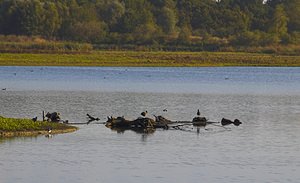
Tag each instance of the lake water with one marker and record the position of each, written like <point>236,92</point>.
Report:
<point>265,148</point>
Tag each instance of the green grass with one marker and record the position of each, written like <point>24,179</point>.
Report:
<point>16,125</point>
<point>148,59</point>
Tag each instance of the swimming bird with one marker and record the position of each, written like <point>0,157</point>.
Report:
<point>144,113</point>
<point>3,89</point>
<point>34,119</point>
<point>165,110</point>
<point>198,112</point>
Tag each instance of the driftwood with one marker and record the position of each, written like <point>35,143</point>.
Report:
<point>145,124</point>
<point>91,119</point>
<point>138,123</point>
<point>120,123</point>
<point>53,117</point>
<point>225,122</point>
<point>199,121</point>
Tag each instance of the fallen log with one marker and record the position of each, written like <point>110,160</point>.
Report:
<point>225,122</point>
<point>145,124</point>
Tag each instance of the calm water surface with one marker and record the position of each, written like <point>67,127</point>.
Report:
<point>264,149</point>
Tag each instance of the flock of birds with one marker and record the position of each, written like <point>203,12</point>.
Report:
<point>144,113</point>
<point>91,118</point>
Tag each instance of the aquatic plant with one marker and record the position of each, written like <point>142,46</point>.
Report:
<point>13,124</point>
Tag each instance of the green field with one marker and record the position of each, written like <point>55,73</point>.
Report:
<point>148,59</point>
<point>11,125</point>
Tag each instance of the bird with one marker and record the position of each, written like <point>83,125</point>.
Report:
<point>34,119</point>
<point>198,112</point>
<point>3,89</point>
<point>92,118</point>
<point>165,110</point>
<point>49,130</point>
<point>144,113</point>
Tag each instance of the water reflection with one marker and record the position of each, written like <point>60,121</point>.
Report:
<point>136,130</point>
<point>144,133</point>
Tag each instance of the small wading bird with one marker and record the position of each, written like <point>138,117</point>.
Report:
<point>144,113</point>
<point>198,112</point>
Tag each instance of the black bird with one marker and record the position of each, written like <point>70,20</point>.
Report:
<point>92,118</point>
<point>144,113</point>
<point>34,119</point>
<point>3,89</point>
<point>165,110</point>
<point>198,112</point>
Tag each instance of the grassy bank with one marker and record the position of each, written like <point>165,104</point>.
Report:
<point>136,58</point>
<point>26,127</point>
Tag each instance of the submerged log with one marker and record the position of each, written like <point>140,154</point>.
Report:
<point>144,124</point>
<point>117,122</point>
<point>199,121</point>
<point>225,122</point>
<point>161,122</point>
<point>121,122</point>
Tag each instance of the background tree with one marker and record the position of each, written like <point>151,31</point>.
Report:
<point>52,21</point>
<point>110,11</point>
<point>167,20</point>
<point>279,22</point>
<point>292,8</point>
<point>152,21</point>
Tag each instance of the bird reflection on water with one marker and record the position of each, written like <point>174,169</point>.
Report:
<point>143,132</point>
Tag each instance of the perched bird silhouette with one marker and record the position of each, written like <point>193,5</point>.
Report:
<point>34,119</point>
<point>144,113</point>
<point>198,112</point>
<point>91,118</point>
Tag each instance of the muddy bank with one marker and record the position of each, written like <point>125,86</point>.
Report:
<point>36,132</point>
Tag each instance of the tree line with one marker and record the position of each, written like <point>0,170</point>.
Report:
<point>155,22</point>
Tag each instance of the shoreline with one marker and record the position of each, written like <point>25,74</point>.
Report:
<point>150,59</point>
<point>7,134</point>
<point>13,127</point>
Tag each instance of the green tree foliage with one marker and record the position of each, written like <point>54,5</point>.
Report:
<point>92,31</point>
<point>52,21</point>
<point>184,35</point>
<point>279,21</point>
<point>110,11</point>
<point>167,20</point>
<point>292,8</point>
<point>257,22</point>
